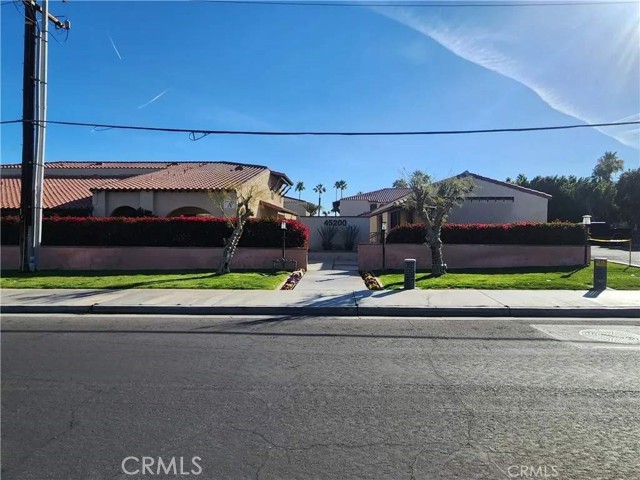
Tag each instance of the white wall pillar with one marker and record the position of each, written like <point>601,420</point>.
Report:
<point>99,202</point>
<point>146,200</point>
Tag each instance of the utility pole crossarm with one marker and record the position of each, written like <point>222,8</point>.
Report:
<point>52,18</point>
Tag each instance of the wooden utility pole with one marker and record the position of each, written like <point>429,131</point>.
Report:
<point>34,99</point>
<point>28,140</point>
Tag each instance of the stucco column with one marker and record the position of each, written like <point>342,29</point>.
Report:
<point>99,202</point>
<point>146,200</point>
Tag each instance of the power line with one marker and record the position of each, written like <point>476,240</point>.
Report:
<point>203,132</point>
<point>421,4</point>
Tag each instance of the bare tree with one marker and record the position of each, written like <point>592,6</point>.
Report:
<point>243,197</point>
<point>432,203</point>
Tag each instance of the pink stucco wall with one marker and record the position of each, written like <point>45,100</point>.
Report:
<point>471,256</point>
<point>150,258</point>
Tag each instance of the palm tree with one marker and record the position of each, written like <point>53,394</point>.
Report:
<point>342,187</point>
<point>339,185</point>
<point>319,189</point>
<point>608,165</point>
<point>299,188</point>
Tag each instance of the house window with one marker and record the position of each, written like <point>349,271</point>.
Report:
<point>373,206</point>
<point>394,219</point>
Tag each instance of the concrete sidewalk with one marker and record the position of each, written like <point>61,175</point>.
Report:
<point>398,303</point>
<point>331,287</point>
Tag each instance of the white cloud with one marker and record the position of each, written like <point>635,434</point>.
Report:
<point>153,99</point>
<point>115,48</point>
<point>581,61</point>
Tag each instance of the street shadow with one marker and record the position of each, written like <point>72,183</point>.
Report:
<point>592,293</point>
<point>73,295</point>
<point>470,338</point>
<point>266,321</point>
<point>377,293</point>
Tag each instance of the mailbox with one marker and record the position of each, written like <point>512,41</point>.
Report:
<point>409,273</point>
<point>600,274</point>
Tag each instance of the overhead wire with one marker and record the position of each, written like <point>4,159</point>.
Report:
<point>197,133</point>
<point>419,4</point>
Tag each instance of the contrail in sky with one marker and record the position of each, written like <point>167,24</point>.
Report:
<point>115,48</point>
<point>153,99</point>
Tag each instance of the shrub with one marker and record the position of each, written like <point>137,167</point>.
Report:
<point>327,234</point>
<point>519,233</point>
<point>349,235</point>
<point>157,232</point>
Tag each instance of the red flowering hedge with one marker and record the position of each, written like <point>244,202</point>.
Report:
<point>519,233</point>
<point>157,232</point>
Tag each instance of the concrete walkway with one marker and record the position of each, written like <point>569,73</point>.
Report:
<point>335,273</point>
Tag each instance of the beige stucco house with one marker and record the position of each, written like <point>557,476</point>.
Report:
<point>162,189</point>
<point>491,201</point>
<point>296,205</point>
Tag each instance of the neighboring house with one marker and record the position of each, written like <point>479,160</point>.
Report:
<point>162,188</point>
<point>491,201</point>
<point>296,205</point>
<point>363,204</point>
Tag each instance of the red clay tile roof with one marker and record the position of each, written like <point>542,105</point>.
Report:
<point>58,192</point>
<point>71,165</point>
<point>189,176</point>
<point>384,195</point>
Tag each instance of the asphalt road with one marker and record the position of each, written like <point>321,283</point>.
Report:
<point>317,398</point>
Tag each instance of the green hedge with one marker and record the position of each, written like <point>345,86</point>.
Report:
<point>156,232</point>
<point>519,233</point>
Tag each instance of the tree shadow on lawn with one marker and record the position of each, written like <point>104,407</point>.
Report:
<point>195,275</point>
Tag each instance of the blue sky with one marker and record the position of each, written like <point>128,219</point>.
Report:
<point>256,67</point>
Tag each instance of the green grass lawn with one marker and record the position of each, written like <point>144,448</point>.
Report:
<point>255,280</point>
<point>619,277</point>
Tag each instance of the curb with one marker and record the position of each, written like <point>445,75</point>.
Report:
<point>339,311</point>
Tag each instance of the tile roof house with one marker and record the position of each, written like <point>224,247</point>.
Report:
<point>297,205</point>
<point>161,188</point>
<point>70,195</point>
<point>491,201</point>
<point>362,204</point>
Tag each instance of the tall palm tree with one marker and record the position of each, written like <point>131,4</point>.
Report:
<point>608,165</point>
<point>339,185</point>
<point>319,189</point>
<point>342,187</point>
<point>299,188</point>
